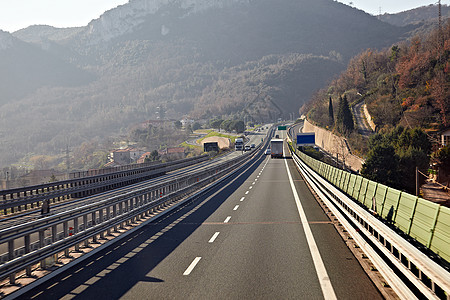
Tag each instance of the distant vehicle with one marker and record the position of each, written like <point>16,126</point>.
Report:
<point>252,146</point>
<point>239,144</point>
<point>267,152</point>
<point>247,148</point>
<point>276,146</point>
<point>277,136</point>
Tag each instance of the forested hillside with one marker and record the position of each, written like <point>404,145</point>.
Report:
<point>406,89</point>
<point>195,59</point>
<point>407,84</point>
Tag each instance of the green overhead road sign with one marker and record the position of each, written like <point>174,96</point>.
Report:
<point>281,127</point>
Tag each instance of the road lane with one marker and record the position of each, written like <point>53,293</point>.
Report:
<point>261,251</point>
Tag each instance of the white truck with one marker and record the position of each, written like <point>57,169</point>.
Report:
<point>239,144</point>
<point>276,148</point>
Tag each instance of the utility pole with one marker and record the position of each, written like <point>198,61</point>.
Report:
<point>417,181</point>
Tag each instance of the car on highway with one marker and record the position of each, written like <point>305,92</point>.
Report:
<point>247,148</point>
<point>267,152</point>
<point>252,146</point>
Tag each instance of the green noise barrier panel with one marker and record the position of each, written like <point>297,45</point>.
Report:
<point>357,187</point>
<point>351,184</point>
<point>370,194</point>
<point>391,204</point>
<point>380,198</point>
<point>363,190</point>
<point>439,240</point>
<point>425,221</point>
<point>405,212</point>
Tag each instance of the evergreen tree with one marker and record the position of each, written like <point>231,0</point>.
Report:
<point>344,121</point>
<point>330,112</point>
<point>238,126</point>
<point>340,115</point>
<point>394,155</point>
<point>381,165</point>
<point>178,124</point>
<point>347,120</point>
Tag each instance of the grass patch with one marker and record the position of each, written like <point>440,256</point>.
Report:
<point>215,133</point>
<point>203,131</point>
<point>193,147</point>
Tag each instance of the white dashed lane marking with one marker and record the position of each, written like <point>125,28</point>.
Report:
<point>213,238</point>
<point>192,266</point>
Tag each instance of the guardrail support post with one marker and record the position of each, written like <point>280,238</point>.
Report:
<point>12,277</point>
<point>94,222</point>
<point>108,216</point>
<point>42,244</point>
<point>75,231</point>
<point>66,234</point>
<point>126,210</point>
<point>27,242</point>
<point>85,225</point>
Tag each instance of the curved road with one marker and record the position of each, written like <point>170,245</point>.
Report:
<point>249,239</point>
<point>363,128</point>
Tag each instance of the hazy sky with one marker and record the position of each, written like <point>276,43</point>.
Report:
<point>18,14</point>
<point>390,6</point>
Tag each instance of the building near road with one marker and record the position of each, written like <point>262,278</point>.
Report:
<point>445,137</point>
<point>126,156</point>
<point>173,153</point>
<point>141,159</point>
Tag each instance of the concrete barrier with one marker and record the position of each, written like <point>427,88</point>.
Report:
<point>335,145</point>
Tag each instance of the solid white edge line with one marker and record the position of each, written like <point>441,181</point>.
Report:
<point>396,284</point>
<point>192,266</point>
<point>324,280</point>
<point>213,238</point>
<point>227,219</point>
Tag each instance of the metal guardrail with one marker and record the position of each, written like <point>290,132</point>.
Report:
<point>370,204</point>
<point>100,218</point>
<point>28,197</point>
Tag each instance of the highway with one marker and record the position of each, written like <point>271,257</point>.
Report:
<point>250,238</point>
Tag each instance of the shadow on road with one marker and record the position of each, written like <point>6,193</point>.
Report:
<point>112,272</point>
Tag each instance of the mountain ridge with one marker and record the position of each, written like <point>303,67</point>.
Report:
<point>217,59</point>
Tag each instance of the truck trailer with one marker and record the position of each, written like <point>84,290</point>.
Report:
<point>276,148</point>
<point>239,144</point>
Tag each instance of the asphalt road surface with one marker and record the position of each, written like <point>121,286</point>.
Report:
<point>363,128</point>
<point>249,239</point>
